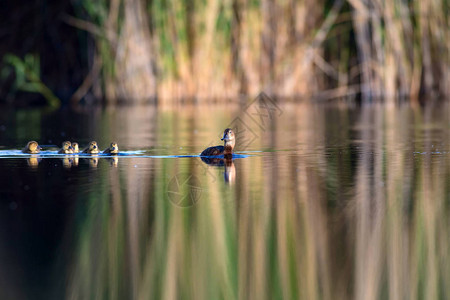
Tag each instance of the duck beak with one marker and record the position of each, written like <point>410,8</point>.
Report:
<point>225,138</point>
<point>70,148</point>
<point>39,148</point>
<point>95,147</point>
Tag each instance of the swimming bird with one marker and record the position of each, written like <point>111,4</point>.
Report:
<point>227,148</point>
<point>75,148</point>
<point>32,148</point>
<point>66,148</point>
<point>92,148</point>
<point>113,149</point>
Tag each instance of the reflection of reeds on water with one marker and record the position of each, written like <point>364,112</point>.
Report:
<point>349,212</point>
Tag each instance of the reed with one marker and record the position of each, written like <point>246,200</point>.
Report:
<point>322,50</point>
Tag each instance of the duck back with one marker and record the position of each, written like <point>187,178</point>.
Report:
<point>213,151</point>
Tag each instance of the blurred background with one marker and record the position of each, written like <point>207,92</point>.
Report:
<point>345,199</point>
<point>177,50</point>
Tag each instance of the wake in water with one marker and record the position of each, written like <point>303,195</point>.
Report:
<point>136,153</point>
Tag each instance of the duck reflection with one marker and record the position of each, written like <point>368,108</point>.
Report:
<point>113,161</point>
<point>230,171</point>
<point>93,162</point>
<point>75,161</point>
<point>33,161</point>
<point>67,162</point>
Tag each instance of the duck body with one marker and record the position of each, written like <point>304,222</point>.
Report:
<point>66,148</point>
<point>113,149</point>
<point>217,150</point>
<point>92,148</point>
<point>226,149</point>
<point>213,151</point>
<point>32,147</point>
<point>75,148</point>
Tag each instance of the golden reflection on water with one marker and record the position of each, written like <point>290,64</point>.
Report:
<point>343,202</point>
<point>356,206</point>
<point>33,162</point>
<point>93,162</point>
<point>67,162</point>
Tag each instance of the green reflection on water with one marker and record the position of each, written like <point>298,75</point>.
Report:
<point>355,206</point>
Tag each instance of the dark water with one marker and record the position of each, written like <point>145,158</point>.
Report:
<point>326,202</point>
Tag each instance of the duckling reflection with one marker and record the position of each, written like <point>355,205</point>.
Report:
<point>227,162</point>
<point>75,161</point>
<point>32,147</point>
<point>67,162</point>
<point>33,161</point>
<point>113,161</point>
<point>93,162</point>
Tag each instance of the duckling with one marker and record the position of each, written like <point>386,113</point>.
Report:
<point>66,148</point>
<point>75,148</point>
<point>92,148</point>
<point>113,149</point>
<point>226,149</point>
<point>32,148</point>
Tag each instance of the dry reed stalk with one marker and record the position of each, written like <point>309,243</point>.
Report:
<point>134,61</point>
<point>282,48</point>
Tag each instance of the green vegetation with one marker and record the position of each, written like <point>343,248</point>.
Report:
<point>27,77</point>
<point>203,49</point>
<point>324,50</point>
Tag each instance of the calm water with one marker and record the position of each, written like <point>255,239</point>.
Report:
<point>326,202</point>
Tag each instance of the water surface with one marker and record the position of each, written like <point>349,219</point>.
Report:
<point>325,202</point>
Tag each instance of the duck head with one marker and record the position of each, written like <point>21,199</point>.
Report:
<point>114,148</point>
<point>33,147</point>
<point>93,148</point>
<point>228,140</point>
<point>67,147</point>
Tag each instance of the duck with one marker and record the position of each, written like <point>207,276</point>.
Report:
<point>226,149</point>
<point>75,148</point>
<point>32,147</point>
<point>113,149</point>
<point>92,148</point>
<point>66,148</point>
